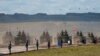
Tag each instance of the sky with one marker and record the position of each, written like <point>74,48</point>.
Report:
<point>49,6</point>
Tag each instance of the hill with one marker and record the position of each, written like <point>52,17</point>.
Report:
<point>18,17</point>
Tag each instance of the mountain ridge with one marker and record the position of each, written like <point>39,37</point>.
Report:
<point>19,17</point>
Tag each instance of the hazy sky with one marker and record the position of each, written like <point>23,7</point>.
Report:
<point>48,6</point>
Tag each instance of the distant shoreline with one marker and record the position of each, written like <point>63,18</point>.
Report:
<point>42,17</point>
<point>48,21</point>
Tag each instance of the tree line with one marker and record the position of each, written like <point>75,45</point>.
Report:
<point>63,37</point>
